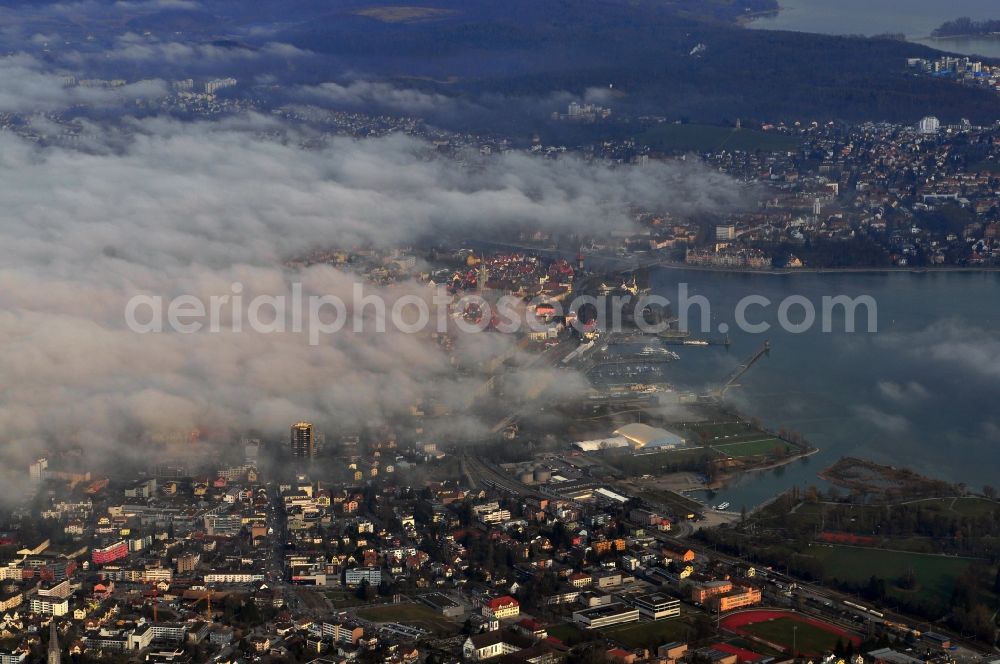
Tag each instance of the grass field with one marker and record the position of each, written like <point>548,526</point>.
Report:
<point>935,574</point>
<point>415,615</point>
<point>700,138</point>
<point>788,630</point>
<point>568,633</point>
<point>733,438</point>
<point>812,514</point>
<point>342,598</point>
<point>967,506</point>
<point>747,643</point>
<point>650,634</point>
<point>809,639</point>
<point>707,441</point>
<point>653,462</point>
<point>759,447</point>
<point>717,430</point>
<point>313,599</point>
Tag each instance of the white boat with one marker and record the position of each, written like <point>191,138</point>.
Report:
<point>652,351</point>
<point>646,388</point>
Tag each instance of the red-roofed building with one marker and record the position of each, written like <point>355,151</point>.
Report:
<point>502,608</point>
<point>531,627</point>
<point>619,656</point>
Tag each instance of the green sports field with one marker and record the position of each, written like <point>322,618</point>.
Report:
<point>717,431</point>
<point>650,634</point>
<point>935,574</point>
<point>808,639</point>
<point>759,447</point>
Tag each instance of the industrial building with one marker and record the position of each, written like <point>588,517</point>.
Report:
<point>602,444</point>
<point>635,436</point>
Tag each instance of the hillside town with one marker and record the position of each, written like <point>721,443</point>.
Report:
<point>835,195</point>
<point>235,566</point>
<point>550,487</point>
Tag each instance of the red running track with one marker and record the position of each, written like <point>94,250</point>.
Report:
<point>743,656</point>
<point>736,621</point>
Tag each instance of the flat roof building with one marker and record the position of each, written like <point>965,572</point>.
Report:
<point>655,606</point>
<point>643,435</point>
<point>605,616</point>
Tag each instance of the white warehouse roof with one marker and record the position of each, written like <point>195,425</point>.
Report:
<point>643,435</point>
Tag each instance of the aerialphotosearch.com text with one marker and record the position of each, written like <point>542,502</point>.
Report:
<point>435,310</point>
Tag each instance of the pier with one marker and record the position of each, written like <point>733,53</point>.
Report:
<point>742,369</point>
<point>669,337</point>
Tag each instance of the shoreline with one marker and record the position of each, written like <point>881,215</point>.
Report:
<point>674,265</point>
<point>624,261</point>
<point>745,20</point>
<point>771,466</point>
<point>808,451</point>
<point>717,488</point>
<point>982,35</point>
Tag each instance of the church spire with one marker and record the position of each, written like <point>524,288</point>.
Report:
<point>55,653</point>
<point>484,274</point>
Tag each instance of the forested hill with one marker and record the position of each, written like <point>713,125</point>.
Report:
<point>531,48</point>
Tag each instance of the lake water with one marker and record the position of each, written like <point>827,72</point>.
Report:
<point>923,391</point>
<point>914,18</point>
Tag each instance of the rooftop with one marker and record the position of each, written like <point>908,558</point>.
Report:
<point>643,435</point>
